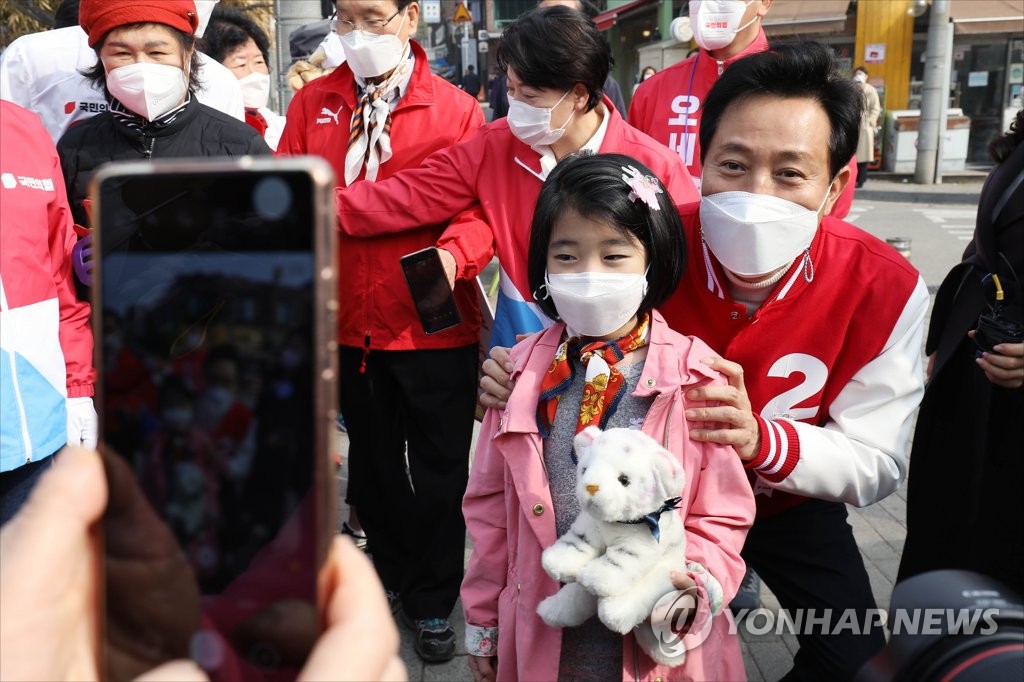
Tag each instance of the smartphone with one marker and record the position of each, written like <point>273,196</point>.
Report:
<point>428,284</point>
<point>213,311</point>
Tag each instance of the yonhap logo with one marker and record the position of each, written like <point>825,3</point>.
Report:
<point>675,624</point>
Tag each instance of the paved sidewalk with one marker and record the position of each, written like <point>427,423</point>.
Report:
<point>880,530</point>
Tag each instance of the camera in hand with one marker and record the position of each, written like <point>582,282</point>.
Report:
<point>951,625</point>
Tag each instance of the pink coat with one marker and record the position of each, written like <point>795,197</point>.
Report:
<point>510,518</point>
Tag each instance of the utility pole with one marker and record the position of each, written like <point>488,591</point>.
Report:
<point>933,94</point>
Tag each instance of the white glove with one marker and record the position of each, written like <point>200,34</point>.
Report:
<point>83,424</point>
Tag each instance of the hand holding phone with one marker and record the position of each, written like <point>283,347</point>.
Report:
<point>430,290</point>
<point>212,296</point>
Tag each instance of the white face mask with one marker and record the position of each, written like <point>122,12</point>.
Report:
<point>532,124</point>
<point>148,89</point>
<point>204,8</point>
<point>255,90</point>
<point>333,51</point>
<point>371,55</point>
<point>860,77</point>
<point>755,234</point>
<point>596,303</point>
<point>716,22</point>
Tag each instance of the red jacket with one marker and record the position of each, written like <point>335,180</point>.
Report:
<point>376,310</point>
<point>832,366</point>
<point>668,106</point>
<point>502,174</point>
<point>45,338</point>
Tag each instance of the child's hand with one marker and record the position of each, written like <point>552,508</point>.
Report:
<point>482,668</point>
<point>738,426</point>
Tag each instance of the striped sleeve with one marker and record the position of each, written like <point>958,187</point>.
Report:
<point>779,452</point>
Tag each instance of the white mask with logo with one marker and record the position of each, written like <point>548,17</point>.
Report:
<point>204,8</point>
<point>596,303</point>
<point>255,90</point>
<point>532,124</point>
<point>147,89</point>
<point>716,22</point>
<point>370,55</point>
<point>755,234</point>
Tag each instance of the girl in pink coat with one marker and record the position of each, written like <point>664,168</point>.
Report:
<point>606,247</point>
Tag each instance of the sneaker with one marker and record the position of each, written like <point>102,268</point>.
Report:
<point>358,538</point>
<point>748,597</point>
<point>435,638</point>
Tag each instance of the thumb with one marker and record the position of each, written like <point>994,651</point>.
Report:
<point>71,495</point>
<point>174,671</point>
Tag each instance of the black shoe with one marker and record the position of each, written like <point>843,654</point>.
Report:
<point>748,597</point>
<point>435,638</point>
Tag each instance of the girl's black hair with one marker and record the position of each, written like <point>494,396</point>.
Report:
<point>556,47</point>
<point>229,29</point>
<point>592,186</point>
<point>98,75</point>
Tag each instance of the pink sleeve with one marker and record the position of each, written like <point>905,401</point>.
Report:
<point>719,516</point>
<point>75,332</point>
<point>484,507</point>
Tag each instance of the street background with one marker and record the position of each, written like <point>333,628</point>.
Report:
<point>939,222</point>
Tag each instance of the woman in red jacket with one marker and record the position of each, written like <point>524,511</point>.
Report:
<point>556,63</point>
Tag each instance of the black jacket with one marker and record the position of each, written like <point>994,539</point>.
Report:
<point>197,131</point>
<point>964,507</point>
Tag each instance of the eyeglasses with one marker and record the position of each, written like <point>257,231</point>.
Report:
<point>343,27</point>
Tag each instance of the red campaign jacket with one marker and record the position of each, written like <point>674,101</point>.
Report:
<point>376,310</point>
<point>503,175</point>
<point>46,343</point>
<point>832,366</point>
<point>668,106</point>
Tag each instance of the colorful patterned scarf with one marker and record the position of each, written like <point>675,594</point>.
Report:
<point>604,383</point>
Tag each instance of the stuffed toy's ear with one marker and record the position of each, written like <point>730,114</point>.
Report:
<point>670,473</point>
<point>581,443</point>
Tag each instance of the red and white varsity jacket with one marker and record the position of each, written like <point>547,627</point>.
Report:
<point>832,363</point>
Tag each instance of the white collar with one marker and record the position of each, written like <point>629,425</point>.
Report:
<point>593,145</point>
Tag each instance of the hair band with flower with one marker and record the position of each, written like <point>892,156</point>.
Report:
<point>644,187</point>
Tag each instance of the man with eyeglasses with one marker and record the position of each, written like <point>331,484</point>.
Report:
<point>400,389</point>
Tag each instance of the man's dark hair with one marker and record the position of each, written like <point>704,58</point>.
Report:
<point>585,6</point>
<point>556,47</point>
<point>98,75</point>
<point>1004,145</point>
<point>790,71</point>
<point>66,14</point>
<point>230,29</point>
<point>592,186</point>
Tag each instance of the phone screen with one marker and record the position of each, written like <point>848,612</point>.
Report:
<point>428,284</point>
<point>212,412</point>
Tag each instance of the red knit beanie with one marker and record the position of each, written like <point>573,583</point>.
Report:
<point>99,17</point>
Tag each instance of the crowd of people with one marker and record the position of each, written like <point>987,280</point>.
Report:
<point>684,270</point>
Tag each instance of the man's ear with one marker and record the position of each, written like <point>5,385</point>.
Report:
<point>580,96</point>
<point>835,190</point>
<point>765,5</point>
